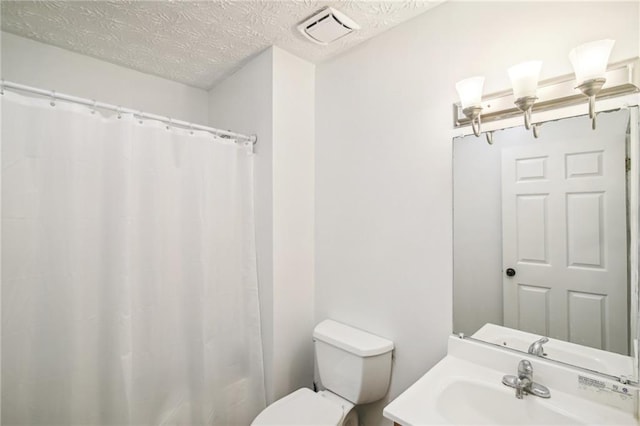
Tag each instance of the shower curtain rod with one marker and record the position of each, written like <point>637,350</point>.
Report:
<point>94,104</point>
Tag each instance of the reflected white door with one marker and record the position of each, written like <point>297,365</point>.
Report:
<point>564,233</point>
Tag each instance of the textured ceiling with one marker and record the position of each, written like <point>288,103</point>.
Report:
<point>196,43</point>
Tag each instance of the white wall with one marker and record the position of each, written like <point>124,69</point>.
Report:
<point>48,67</point>
<point>293,220</point>
<point>383,159</point>
<point>273,97</point>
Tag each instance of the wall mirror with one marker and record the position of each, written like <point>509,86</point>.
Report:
<point>546,241</point>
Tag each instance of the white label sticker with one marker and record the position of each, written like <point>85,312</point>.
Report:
<point>601,387</point>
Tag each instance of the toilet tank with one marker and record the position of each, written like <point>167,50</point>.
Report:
<point>352,363</point>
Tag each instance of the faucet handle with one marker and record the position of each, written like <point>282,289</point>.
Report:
<point>536,347</point>
<point>525,369</point>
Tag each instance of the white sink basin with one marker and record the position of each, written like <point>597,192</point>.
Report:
<point>466,388</point>
<point>468,402</point>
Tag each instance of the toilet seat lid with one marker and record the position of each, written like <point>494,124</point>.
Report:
<point>302,407</point>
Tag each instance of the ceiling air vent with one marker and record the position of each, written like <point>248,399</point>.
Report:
<point>327,25</point>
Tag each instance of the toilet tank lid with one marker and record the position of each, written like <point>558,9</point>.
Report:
<point>351,339</point>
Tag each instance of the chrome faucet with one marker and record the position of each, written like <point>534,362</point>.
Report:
<point>536,347</point>
<point>523,382</point>
<point>524,379</point>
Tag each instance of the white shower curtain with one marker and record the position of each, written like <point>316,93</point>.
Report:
<point>129,293</point>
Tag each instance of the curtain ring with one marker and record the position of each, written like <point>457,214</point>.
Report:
<point>168,127</point>
<point>191,128</point>
<point>2,86</point>
<point>93,106</point>
<point>119,111</point>
<point>52,102</point>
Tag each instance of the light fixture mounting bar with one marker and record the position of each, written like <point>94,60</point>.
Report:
<point>622,78</point>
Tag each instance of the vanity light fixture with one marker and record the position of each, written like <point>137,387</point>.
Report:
<point>589,63</point>
<point>592,75</point>
<point>524,80</point>
<point>470,93</point>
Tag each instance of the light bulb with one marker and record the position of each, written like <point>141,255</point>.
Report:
<point>470,91</point>
<point>590,60</point>
<point>524,79</point>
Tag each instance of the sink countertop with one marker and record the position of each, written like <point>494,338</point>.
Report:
<point>559,350</point>
<point>459,391</point>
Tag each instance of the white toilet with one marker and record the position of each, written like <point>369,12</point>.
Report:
<point>354,367</point>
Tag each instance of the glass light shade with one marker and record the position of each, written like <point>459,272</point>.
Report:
<point>590,60</point>
<point>470,91</point>
<point>524,78</point>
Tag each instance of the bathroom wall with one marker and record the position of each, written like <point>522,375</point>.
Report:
<point>273,97</point>
<point>48,67</point>
<point>293,220</point>
<point>383,159</point>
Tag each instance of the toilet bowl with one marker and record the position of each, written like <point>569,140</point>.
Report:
<point>306,407</point>
<point>354,367</point>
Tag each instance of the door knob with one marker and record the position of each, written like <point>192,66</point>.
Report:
<point>510,272</point>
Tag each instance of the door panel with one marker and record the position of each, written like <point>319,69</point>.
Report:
<point>531,232</point>
<point>532,301</point>
<point>587,319</point>
<point>585,230</point>
<point>564,232</point>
